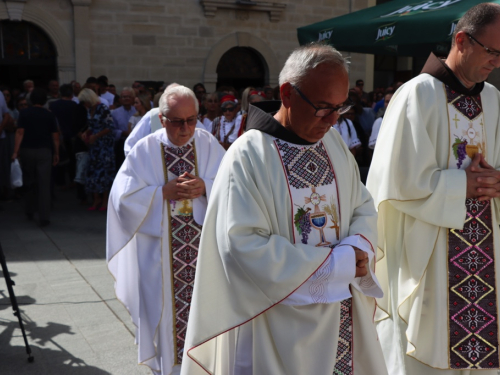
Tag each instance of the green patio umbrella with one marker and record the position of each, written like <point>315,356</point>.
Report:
<point>398,27</point>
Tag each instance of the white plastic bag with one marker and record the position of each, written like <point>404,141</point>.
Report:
<point>16,174</point>
<point>82,162</point>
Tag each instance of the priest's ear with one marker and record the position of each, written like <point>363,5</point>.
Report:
<point>460,39</point>
<point>286,94</point>
<point>162,119</point>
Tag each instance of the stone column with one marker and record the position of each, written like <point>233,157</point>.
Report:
<point>81,21</point>
<point>15,9</point>
<point>370,60</point>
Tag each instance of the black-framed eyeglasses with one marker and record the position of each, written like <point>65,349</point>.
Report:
<point>323,112</point>
<point>230,109</point>
<point>179,123</point>
<point>489,50</point>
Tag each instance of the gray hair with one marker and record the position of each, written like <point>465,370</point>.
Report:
<point>177,92</point>
<point>28,81</point>
<point>306,58</point>
<point>129,89</point>
<point>89,97</point>
<point>476,19</point>
<point>172,85</point>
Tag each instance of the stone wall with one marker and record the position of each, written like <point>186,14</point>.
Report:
<point>167,40</point>
<point>173,40</point>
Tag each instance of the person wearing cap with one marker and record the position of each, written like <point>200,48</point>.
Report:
<point>225,128</point>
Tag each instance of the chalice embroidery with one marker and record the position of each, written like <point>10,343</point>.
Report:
<point>318,218</point>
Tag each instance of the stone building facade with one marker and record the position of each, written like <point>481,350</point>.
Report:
<point>167,40</point>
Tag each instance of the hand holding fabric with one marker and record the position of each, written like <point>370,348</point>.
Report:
<point>361,262</point>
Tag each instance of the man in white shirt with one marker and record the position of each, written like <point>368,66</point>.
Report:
<point>121,117</point>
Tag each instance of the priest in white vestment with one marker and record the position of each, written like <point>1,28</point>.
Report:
<point>285,282</point>
<point>434,181</point>
<point>156,211</point>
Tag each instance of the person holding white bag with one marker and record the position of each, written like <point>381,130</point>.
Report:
<point>37,143</point>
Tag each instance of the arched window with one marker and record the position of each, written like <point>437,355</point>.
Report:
<point>241,67</point>
<point>26,52</point>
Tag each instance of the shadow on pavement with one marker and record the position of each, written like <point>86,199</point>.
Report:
<point>47,359</point>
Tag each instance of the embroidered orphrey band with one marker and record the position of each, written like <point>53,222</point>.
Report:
<point>184,242</point>
<point>343,365</point>
<point>472,295</point>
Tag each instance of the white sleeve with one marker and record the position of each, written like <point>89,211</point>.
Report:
<point>200,125</point>
<point>368,285</point>
<point>330,283</point>
<point>142,129</point>
<point>354,140</point>
<point>375,131</point>
<point>237,125</point>
<point>104,101</point>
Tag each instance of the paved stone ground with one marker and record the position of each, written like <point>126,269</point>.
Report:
<point>75,324</point>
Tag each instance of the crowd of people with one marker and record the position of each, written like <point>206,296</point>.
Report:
<point>241,238</point>
<point>85,130</point>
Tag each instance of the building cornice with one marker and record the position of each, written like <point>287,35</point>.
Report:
<point>84,3</point>
<point>274,9</point>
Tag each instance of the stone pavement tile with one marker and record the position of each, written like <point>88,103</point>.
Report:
<point>122,313</point>
<point>84,263</point>
<point>78,251</point>
<point>103,285</point>
<point>123,361</point>
<point>98,246</point>
<point>109,335</point>
<point>74,322</point>
<point>95,268</point>
<point>56,269</point>
<point>27,293</point>
<point>23,273</point>
<point>91,315</point>
<point>32,234</point>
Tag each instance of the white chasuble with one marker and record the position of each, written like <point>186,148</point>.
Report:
<point>254,271</point>
<point>472,301</point>
<point>436,262</point>
<point>152,244</point>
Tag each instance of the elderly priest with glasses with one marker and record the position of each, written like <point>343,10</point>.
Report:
<point>435,180</point>
<point>285,282</point>
<point>156,211</point>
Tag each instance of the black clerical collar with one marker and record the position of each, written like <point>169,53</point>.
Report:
<point>439,70</point>
<point>265,122</point>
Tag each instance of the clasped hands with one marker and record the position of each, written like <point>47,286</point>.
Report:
<point>483,181</point>
<point>186,186</point>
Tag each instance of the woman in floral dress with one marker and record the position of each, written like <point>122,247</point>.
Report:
<point>99,136</point>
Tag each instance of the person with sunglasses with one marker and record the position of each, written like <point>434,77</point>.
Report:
<point>225,128</point>
<point>156,212</point>
<point>436,182</point>
<point>286,271</point>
